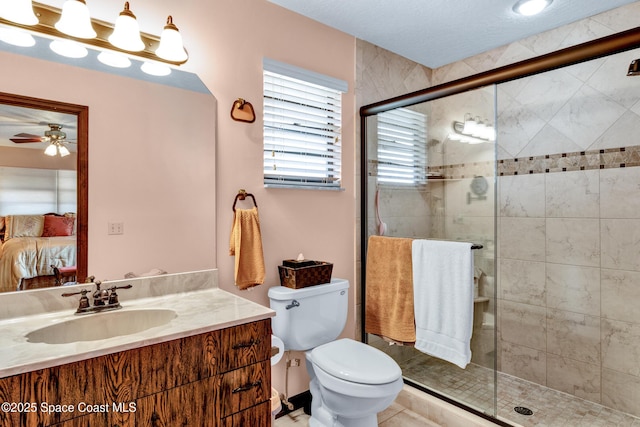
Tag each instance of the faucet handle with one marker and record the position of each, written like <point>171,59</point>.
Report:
<point>84,301</point>
<point>113,298</point>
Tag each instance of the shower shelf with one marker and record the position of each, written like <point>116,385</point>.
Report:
<point>480,299</point>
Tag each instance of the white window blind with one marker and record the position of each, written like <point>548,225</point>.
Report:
<point>302,123</point>
<point>402,147</point>
<point>25,191</point>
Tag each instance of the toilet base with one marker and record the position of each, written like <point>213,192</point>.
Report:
<point>322,417</point>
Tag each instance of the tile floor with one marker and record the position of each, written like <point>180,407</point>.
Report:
<point>394,416</point>
<point>474,386</point>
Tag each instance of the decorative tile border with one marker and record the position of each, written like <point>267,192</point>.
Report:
<point>567,162</point>
<point>564,162</point>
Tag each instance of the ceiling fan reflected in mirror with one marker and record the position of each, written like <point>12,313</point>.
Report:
<point>54,136</point>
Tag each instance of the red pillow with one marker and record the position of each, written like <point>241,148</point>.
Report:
<point>57,226</point>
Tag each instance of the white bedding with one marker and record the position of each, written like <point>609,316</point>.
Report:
<point>28,257</point>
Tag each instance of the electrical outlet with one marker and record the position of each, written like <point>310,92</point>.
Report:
<point>116,228</point>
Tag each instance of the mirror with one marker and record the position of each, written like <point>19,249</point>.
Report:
<point>152,160</point>
<point>27,257</point>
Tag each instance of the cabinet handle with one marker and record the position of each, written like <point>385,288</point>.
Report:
<point>247,387</point>
<point>246,344</point>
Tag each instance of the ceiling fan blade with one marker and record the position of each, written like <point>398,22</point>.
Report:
<point>23,140</point>
<point>27,135</point>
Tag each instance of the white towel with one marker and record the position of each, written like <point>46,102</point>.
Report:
<point>443,299</point>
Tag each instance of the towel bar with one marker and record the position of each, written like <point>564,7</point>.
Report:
<point>242,194</point>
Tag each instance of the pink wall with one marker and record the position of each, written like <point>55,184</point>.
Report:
<point>147,171</point>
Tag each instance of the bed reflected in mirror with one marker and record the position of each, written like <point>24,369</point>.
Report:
<point>43,193</point>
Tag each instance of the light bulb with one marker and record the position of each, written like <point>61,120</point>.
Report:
<point>530,7</point>
<point>171,47</point>
<point>51,150</point>
<point>126,34</point>
<point>75,20</point>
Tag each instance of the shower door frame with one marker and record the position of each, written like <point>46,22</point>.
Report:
<point>598,48</point>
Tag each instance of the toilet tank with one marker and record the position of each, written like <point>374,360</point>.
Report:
<point>311,316</point>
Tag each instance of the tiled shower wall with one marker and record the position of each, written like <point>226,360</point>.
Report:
<point>569,231</point>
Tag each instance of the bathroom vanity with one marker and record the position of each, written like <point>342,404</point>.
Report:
<point>209,366</point>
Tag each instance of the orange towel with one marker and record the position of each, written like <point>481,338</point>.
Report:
<point>246,244</point>
<point>389,294</point>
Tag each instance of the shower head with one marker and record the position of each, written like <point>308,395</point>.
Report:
<point>634,68</point>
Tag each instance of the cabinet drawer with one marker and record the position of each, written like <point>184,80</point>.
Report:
<point>244,345</point>
<point>244,387</point>
<point>259,415</point>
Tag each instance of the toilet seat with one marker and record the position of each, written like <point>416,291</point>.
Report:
<point>355,362</point>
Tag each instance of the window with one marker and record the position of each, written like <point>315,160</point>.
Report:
<point>26,191</point>
<point>402,147</point>
<point>302,123</point>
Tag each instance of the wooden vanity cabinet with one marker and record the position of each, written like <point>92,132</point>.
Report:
<point>219,378</point>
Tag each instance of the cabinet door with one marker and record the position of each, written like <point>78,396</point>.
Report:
<point>189,405</point>
<point>244,388</point>
<point>259,415</point>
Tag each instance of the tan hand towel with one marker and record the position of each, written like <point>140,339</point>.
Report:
<point>246,244</point>
<point>389,295</point>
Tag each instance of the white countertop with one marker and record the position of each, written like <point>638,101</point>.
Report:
<point>198,311</point>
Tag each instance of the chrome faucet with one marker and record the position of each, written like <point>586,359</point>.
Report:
<point>103,299</point>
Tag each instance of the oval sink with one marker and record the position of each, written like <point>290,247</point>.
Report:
<point>100,326</point>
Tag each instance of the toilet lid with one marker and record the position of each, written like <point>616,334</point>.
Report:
<point>356,362</point>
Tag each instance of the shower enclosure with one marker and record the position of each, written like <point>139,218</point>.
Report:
<point>537,163</point>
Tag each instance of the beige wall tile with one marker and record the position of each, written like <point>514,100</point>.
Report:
<point>573,288</point>
<point>621,346</point>
<point>523,324</point>
<point>573,336</point>
<point>573,377</point>
<point>621,295</point>
<point>621,391</point>
<point>620,244</point>
<point>523,281</point>
<point>573,241</point>
<point>572,194</point>
<point>514,231</point>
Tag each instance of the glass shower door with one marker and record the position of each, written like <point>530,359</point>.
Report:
<point>431,175</point>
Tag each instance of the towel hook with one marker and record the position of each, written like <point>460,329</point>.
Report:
<point>242,194</point>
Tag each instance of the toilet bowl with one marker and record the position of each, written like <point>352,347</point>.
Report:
<point>350,381</point>
<point>353,382</point>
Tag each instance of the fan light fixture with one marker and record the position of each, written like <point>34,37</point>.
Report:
<point>117,43</point>
<point>473,131</point>
<point>56,147</point>
<point>530,7</point>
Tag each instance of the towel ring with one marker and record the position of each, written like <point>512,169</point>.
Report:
<point>242,194</point>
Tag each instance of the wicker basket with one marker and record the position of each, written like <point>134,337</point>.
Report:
<point>302,277</point>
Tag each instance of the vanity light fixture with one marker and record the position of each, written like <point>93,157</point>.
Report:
<point>530,7</point>
<point>472,131</point>
<point>117,43</point>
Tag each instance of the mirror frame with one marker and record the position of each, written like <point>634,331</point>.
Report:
<point>82,215</point>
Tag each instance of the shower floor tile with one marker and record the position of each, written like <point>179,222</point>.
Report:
<point>474,387</point>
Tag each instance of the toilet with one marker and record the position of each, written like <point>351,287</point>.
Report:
<point>350,381</point>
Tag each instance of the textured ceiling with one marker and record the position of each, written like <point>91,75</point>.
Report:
<point>438,32</point>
